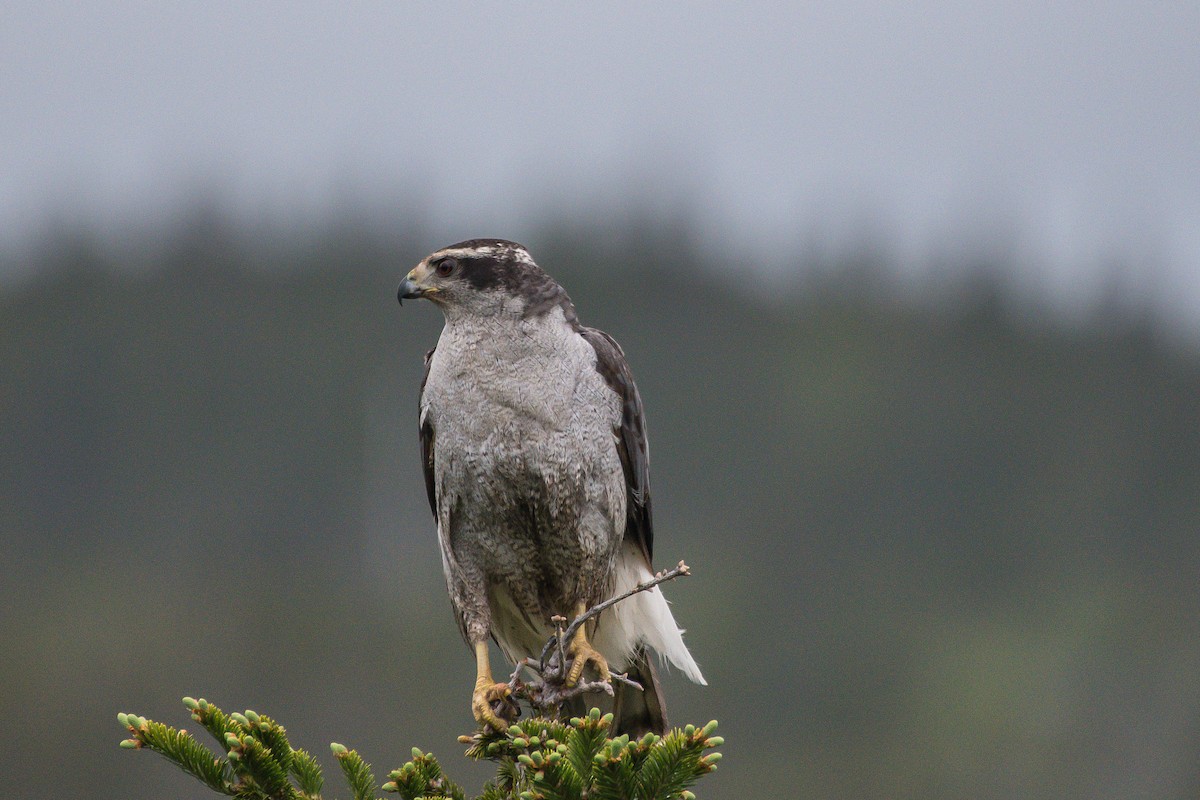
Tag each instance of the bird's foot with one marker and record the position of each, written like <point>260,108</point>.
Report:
<point>492,704</point>
<point>582,653</point>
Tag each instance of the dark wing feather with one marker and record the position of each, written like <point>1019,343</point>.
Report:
<point>427,440</point>
<point>427,443</point>
<point>631,437</point>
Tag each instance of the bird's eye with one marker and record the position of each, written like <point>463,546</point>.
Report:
<point>446,266</point>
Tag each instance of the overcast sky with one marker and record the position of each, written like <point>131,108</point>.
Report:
<point>1072,129</point>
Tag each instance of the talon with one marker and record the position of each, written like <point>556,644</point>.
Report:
<point>491,702</point>
<point>492,705</point>
<point>582,653</point>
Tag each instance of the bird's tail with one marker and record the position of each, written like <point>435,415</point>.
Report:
<point>642,620</point>
<point>639,712</point>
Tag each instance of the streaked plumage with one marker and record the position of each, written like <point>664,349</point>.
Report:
<point>536,465</point>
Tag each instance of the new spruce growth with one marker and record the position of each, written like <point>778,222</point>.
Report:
<point>540,759</point>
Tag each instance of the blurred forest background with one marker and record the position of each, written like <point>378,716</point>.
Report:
<point>910,290</point>
<point>943,537</point>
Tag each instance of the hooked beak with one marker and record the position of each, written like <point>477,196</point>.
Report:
<point>409,290</point>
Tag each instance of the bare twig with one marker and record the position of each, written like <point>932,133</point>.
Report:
<point>548,690</point>
<point>622,677</point>
<point>559,639</point>
<point>525,663</point>
<point>681,570</point>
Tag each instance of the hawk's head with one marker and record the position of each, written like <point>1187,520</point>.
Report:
<point>485,277</point>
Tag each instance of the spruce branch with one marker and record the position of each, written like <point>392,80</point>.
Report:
<point>422,778</point>
<point>540,759</point>
<point>211,718</point>
<point>358,772</point>
<point>179,747</point>
<point>262,776</point>
<point>307,773</point>
<point>259,761</point>
<point>547,759</point>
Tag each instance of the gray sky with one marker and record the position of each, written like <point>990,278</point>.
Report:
<point>1070,129</point>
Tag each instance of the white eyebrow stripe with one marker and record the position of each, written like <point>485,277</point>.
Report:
<point>466,252</point>
<point>518,253</point>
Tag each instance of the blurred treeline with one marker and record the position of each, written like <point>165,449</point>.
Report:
<point>944,542</point>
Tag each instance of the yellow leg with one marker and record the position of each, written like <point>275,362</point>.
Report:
<point>487,691</point>
<point>582,652</point>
